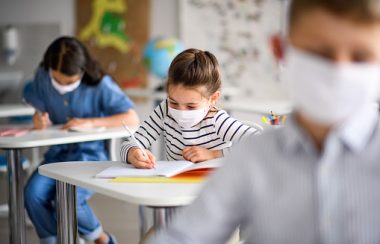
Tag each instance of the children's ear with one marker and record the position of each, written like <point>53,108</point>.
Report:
<point>214,97</point>
<point>278,47</point>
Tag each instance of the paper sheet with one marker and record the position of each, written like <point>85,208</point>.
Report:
<point>158,180</point>
<point>163,168</point>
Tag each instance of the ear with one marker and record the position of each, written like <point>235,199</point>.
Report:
<point>278,47</point>
<point>214,97</point>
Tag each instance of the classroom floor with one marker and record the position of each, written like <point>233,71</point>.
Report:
<point>117,217</point>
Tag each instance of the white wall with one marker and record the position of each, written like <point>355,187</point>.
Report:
<point>164,14</point>
<point>164,18</point>
<point>39,12</point>
<point>40,21</point>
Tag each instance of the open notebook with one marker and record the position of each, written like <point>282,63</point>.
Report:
<point>163,168</point>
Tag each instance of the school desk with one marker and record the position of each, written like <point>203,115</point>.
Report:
<point>163,198</point>
<point>259,106</point>
<point>9,110</point>
<point>38,138</point>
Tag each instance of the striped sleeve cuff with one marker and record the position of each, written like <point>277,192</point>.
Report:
<point>124,149</point>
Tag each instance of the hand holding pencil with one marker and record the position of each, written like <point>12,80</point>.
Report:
<point>138,156</point>
<point>41,120</point>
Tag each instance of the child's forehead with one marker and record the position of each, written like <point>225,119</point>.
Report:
<point>184,93</point>
<point>187,90</point>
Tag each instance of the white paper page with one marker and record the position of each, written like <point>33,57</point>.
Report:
<point>209,164</point>
<point>163,168</point>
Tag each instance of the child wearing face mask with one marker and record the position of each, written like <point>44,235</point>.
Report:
<point>193,127</point>
<point>317,179</point>
<point>71,89</point>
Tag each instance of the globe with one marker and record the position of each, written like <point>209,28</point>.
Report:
<point>159,53</point>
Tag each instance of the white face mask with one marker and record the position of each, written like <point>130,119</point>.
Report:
<point>188,118</point>
<point>63,89</point>
<point>326,92</point>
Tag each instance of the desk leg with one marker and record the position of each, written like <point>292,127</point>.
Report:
<point>162,216</point>
<point>143,224</point>
<point>67,226</point>
<point>15,197</point>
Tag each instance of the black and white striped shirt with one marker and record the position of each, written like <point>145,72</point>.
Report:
<point>214,132</point>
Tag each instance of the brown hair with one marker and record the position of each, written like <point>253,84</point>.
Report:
<point>70,57</point>
<point>357,10</point>
<point>194,68</point>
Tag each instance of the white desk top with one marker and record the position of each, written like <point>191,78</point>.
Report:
<point>55,136</point>
<point>9,110</point>
<point>260,106</point>
<point>147,194</point>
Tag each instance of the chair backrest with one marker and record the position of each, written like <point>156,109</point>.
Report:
<point>111,147</point>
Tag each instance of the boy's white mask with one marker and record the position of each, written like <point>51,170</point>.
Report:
<point>188,118</point>
<point>326,92</point>
<point>63,89</point>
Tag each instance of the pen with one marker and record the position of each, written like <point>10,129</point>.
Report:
<point>134,139</point>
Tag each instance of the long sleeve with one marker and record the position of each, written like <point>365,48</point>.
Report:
<point>231,130</point>
<point>35,92</point>
<point>148,131</point>
<point>217,212</point>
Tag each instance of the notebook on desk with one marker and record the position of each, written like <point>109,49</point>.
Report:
<point>14,131</point>
<point>163,169</point>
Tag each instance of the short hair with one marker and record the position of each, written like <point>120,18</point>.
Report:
<point>357,10</point>
<point>194,68</point>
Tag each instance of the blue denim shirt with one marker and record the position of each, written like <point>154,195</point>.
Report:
<point>105,99</point>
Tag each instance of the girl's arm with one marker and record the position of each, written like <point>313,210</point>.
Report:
<point>230,129</point>
<point>110,121</point>
<point>148,131</point>
<point>114,105</point>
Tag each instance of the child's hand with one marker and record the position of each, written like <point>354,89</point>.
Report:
<point>81,123</point>
<point>41,120</point>
<point>137,159</point>
<point>197,154</point>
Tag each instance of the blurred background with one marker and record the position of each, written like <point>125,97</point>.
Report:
<point>135,41</point>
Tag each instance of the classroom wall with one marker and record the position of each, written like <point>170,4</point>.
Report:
<point>37,22</point>
<point>40,21</point>
<point>39,12</point>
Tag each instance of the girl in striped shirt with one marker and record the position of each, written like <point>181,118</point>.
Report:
<point>193,128</point>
